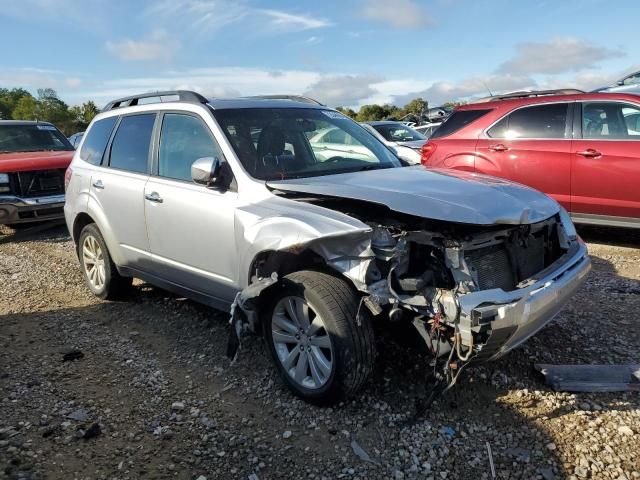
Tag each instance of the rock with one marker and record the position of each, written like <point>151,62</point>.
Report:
<point>551,446</point>
<point>178,406</point>
<point>624,430</point>
<point>201,477</point>
<point>92,432</point>
<point>287,434</point>
<point>72,355</point>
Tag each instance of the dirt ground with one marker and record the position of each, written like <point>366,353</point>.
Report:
<point>153,395</point>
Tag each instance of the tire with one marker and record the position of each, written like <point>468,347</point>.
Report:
<point>104,281</point>
<point>337,336</point>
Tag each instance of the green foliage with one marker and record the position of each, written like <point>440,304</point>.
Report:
<point>19,104</point>
<point>416,107</point>
<point>349,112</point>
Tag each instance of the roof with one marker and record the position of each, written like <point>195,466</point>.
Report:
<point>23,122</point>
<point>383,122</point>
<point>257,102</point>
<point>513,102</point>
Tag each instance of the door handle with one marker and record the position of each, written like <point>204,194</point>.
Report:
<point>498,148</point>
<point>98,184</point>
<point>589,153</point>
<point>153,197</point>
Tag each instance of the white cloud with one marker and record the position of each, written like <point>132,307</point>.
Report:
<point>558,55</point>
<point>159,45</point>
<point>72,82</point>
<point>286,20</point>
<point>343,90</point>
<point>405,14</point>
<point>211,15</point>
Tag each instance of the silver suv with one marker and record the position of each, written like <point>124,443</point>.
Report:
<point>234,203</point>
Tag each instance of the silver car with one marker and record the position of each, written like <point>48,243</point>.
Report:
<point>229,202</point>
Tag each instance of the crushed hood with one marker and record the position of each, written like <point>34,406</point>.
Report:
<point>448,195</point>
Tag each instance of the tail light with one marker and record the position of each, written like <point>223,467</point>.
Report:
<point>428,149</point>
<point>67,177</point>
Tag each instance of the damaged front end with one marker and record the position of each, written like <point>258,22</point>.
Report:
<point>472,292</point>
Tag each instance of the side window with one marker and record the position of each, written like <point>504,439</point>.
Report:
<point>612,121</point>
<point>183,140</point>
<point>457,121</point>
<point>539,121</point>
<point>96,141</point>
<point>130,147</point>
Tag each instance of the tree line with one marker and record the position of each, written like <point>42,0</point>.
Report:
<point>414,111</point>
<point>19,104</point>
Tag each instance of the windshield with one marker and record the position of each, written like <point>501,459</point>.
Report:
<point>397,132</point>
<point>32,138</point>
<point>280,143</point>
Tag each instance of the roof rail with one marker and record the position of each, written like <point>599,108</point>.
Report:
<point>183,96</point>
<point>295,98</point>
<point>529,93</point>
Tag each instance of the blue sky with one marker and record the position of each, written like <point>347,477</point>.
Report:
<point>347,52</point>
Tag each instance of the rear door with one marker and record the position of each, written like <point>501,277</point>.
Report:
<point>191,227</point>
<point>606,162</point>
<point>118,187</point>
<point>531,145</point>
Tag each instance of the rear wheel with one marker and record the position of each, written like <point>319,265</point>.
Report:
<point>321,351</point>
<point>99,271</point>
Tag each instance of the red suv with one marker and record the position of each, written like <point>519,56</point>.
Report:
<point>583,149</point>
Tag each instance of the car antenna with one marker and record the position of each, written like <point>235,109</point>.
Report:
<point>488,90</point>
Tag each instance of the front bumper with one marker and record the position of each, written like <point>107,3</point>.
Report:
<point>510,318</point>
<point>15,209</point>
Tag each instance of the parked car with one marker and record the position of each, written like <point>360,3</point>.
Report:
<point>308,249</point>
<point>33,159</point>
<point>427,129</point>
<point>404,140</point>
<point>75,139</point>
<point>628,84</point>
<point>582,149</point>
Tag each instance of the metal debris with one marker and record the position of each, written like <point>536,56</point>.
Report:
<point>591,378</point>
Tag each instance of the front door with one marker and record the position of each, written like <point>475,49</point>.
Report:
<point>605,182</point>
<point>531,145</point>
<point>190,227</point>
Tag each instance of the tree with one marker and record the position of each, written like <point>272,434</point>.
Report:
<point>369,113</point>
<point>417,107</point>
<point>26,109</point>
<point>9,99</point>
<point>81,115</point>
<point>349,112</point>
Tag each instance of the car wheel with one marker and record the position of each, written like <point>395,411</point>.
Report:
<point>99,271</point>
<point>323,353</point>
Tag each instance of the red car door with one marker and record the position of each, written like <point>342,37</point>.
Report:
<point>605,179</point>
<point>531,145</point>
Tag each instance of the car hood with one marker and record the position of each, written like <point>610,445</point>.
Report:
<point>448,195</point>
<point>22,161</point>
<point>412,144</point>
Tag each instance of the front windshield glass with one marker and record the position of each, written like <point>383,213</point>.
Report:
<point>32,138</point>
<point>397,132</point>
<point>281,143</point>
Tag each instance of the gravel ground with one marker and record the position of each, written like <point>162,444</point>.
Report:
<point>153,395</point>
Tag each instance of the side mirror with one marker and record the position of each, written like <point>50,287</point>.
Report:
<point>206,171</point>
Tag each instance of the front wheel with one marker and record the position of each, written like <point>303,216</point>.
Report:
<point>322,352</point>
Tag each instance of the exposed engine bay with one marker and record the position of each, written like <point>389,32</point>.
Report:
<point>465,288</point>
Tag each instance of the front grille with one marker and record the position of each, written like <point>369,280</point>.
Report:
<point>37,183</point>
<point>509,263</point>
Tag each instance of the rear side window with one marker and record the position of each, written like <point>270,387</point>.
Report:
<point>538,121</point>
<point>611,121</point>
<point>457,121</point>
<point>96,141</point>
<point>130,147</point>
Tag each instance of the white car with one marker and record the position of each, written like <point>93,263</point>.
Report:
<point>428,128</point>
<point>403,140</point>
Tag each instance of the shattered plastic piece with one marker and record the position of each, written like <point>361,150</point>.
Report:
<point>79,415</point>
<point>591,378</point>
<point>360,453</point>
<point>449,431</point>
